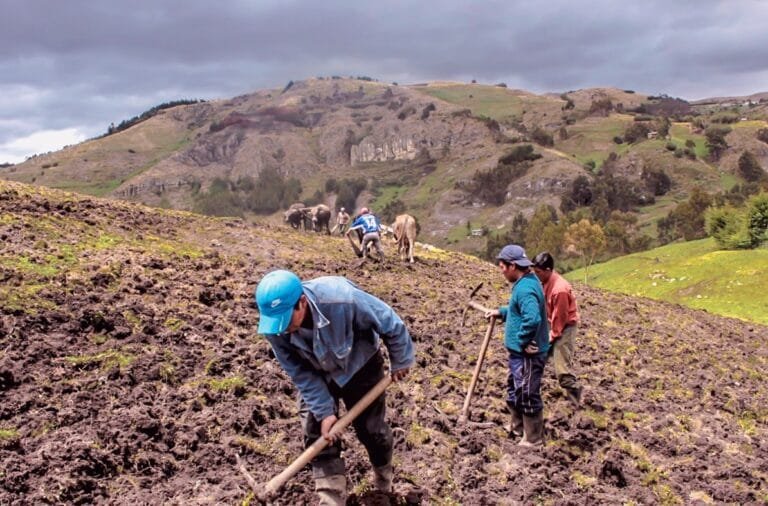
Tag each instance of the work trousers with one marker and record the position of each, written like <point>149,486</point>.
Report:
<point>561,352</point>
<point>375,238</point>
<point>371,427</point>
<point>524,382</point>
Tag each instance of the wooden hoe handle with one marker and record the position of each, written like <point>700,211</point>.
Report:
<point>481,357</point>
<point>305,458</point>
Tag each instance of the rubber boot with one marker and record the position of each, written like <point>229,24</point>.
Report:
<point>382,478</point>
<point>574,395</point>
<point>533,427</point>
<point>515,428</point>
<point>332,490</point>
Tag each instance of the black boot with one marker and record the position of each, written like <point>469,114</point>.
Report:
<point>533,426</point>
<point>515,427</point>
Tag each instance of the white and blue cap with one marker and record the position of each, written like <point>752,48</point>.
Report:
<point>514,254</point>
<point>276,296</point>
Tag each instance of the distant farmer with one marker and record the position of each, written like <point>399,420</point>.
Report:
<point>370,227</point>
<point>342,221</point>
<point>326,334</point>
<point>563,316</point>
<point>526,336</point>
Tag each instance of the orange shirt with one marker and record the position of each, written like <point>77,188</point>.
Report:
<point>561,305</point>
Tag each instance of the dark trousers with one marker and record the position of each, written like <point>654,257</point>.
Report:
<point>524,383</point>
<point>371,427</point>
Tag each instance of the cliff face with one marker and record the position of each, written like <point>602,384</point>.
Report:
<point>398,148</point>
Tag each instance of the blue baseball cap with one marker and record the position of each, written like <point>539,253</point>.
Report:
<point>514,254</point>
<point>276,295</point>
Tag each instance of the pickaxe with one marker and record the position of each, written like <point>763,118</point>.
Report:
<point>483,349</point>
<point>267,491</point>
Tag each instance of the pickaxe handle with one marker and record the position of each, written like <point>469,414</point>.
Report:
<point>478,306</point>
<point>480,358</point>
<point>310,453</point>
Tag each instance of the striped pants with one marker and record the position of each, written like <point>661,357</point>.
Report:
<point>524,383</point>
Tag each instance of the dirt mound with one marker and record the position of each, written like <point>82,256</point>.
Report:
<point>130,373</point>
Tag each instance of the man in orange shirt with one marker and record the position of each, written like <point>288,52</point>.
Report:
<point>563,316</point>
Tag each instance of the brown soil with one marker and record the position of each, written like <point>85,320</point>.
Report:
<point>130,373</point>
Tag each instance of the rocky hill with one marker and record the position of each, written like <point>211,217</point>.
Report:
<point>420,146</point>
<point>130,373</point>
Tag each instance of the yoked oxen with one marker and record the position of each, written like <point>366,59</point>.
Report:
<point>404,232</point>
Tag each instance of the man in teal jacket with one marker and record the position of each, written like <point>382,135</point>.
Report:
<point>526,336</point>
<point>326,334</point>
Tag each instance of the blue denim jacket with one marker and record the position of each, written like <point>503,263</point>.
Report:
<point>526,316</point>
<point>348,327</point>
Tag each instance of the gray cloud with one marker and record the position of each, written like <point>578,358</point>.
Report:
<point>83,64</point>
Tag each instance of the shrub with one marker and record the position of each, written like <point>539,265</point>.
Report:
<point>671,146</point>
<point>636,132</point>
<point>542,137</point>
<point>428,109</point>
<point>762,134</point>
<point>728,227</point>
<point>618,140</point>
<point>520,154</point>
<point>601,107</point>
<point>749,167</point>
<point>656,181</point>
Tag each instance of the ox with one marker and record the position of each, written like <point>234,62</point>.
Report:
<point>320,216</point>
<point>295,215</point>
<point>404,232</point>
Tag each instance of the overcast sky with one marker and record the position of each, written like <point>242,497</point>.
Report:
<point>69,68</point>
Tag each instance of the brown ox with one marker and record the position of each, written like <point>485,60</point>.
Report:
<point>404,233</point>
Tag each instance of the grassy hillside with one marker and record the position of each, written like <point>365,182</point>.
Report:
<point>696,274</point>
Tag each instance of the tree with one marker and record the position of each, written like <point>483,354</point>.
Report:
<point>750,168</point>
<point>686,220</point>
<point>543,216</point>
<point>728,226</point>
<point>586,239</point>
<point>716,141</point>
<point>757,218</point>
<point>580,195</point>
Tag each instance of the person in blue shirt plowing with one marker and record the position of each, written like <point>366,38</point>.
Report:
<point>368,224</point>
<point>326,334</point>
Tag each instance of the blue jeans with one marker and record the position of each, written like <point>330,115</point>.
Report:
<point>524,383</point>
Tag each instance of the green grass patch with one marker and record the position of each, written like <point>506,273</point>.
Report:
<point>490,101</point>
<point>25,298</point>
<point>230,384</point>
<point>8,433</point>
<point>106,360</point>
<point>696,274</point>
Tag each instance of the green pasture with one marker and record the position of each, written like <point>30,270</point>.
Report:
<point>682,132</point>
<point>695,274</point>
<point>490,101</point>
<point>592,139</point>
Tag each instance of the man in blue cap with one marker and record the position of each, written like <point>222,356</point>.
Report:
<point>526,336</point>
<point>326,334</point>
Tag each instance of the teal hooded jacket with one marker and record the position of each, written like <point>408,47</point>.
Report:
<point>526,316</point>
